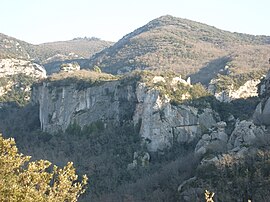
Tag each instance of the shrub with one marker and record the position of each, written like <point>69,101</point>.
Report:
<point>21,180</point>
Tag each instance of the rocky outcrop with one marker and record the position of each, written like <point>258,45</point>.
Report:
<point>245,134</point>
<point>9,67</point>
<point>5,88</point>
<point>16,78</point>
<point>220,148</point>
<point>62,105</point>
<point>249,89</point>
<point>262,113</point>
<point>115,102</point>
<point>163,123</point>
<point>61,57</point>
<point>215,142</point>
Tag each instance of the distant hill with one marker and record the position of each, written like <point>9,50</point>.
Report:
<point>78,48</point>
<point>51,55</point>
<point>20,62</point>
<point>164,44</point>
<point>14,48</point>
<point>184,46</point>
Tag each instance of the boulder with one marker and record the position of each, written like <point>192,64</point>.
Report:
<point>261,115</point>
<point>245,134</point>
<point>215,142</point>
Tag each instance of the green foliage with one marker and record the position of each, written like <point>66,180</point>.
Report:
<point>240,108</point>
<point>74,129</point>
<point>178,92</point>
<point>237,178</point>
<point>93,128</point>
<point>103,153</point>
<point>21,180</point>
<point>81,47</point>
<point>88,130</point>
<point>234,81</point>
<point>19,90</point>
<point>81,78</point>
<point>191,93</point>
<point>97,69</point>
<point>183,46</point>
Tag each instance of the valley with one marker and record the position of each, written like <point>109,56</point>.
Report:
<point>171,109</point>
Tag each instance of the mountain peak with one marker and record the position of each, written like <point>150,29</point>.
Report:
<point>176,44</point>
<point>166,19</point>
<point>87,38</point>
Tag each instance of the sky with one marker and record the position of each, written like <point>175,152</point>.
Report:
<point>40,21</point>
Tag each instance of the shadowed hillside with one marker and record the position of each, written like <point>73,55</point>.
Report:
<point>205,74</point>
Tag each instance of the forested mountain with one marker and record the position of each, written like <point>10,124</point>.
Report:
<point>184,46</point>
<point>22,63</point>
<point>78,48</point>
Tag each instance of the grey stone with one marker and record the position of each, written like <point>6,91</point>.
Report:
<point>249,89</point>
<point>245,134</point>
<point>114,103</point>
<point>214,142</point>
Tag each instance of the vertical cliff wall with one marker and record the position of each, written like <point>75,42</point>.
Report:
<point>262,113</point>
<point>61,105</point>
<point>116,102</point>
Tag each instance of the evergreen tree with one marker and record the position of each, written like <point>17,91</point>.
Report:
<point>22,180</point>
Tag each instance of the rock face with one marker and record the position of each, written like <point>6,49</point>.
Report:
<point>249,89</point>
<point>163,123</point>
<point>62,105</point>
<point>114,103</point>
<point>10,67</point>
<point>245,134</point>
<point>248,138</point>
<point>16,77</point>
<point>216,141</point>
<point>262,113</point>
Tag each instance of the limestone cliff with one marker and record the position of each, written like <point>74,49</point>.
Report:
<point>163,123</point>
<point>262,112</point>
<point>248,89</point>
<point>118,101</point>
<point>62,105</point>
<point>218,147</point>
<point>14,66</point>
<point>16,78</point>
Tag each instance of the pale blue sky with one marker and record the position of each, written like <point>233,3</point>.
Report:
<point>38,21</point>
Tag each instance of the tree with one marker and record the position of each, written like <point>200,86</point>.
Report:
<point>22,180</point>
